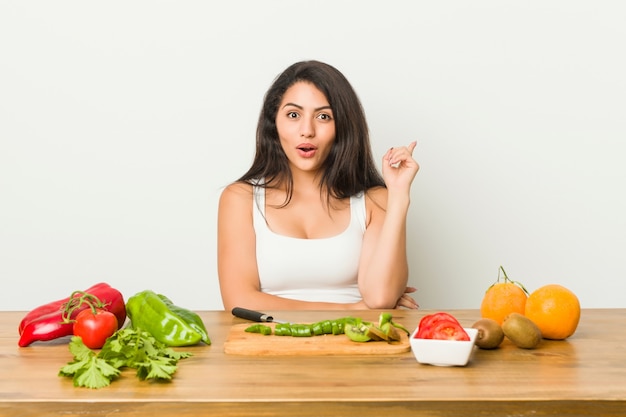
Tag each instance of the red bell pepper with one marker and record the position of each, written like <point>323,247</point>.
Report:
<point>50,321</point>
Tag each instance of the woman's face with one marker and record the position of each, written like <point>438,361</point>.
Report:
<point>306,126</point>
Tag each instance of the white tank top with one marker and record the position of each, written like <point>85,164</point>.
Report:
<point>310,269</point>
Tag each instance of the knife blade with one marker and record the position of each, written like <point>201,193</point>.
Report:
<point>257,316</point>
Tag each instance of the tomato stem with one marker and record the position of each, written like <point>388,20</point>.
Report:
<point>77,300</point>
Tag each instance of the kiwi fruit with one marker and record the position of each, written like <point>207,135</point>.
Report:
<point>357,332</point>
<point>521,330</point>
<point>490,333</point>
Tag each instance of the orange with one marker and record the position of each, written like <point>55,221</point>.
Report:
<point>555,310</point>
<point>503,298</point>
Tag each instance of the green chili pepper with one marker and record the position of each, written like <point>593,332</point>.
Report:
<point>359,330</point>
<point>317,329</point>
<point>327,327</point>
<point>386,318</point>
<point>259,328</point>
<point>191,317</point>
<point>301,330</point>
<point>148,311</point>
<point>282,329</point>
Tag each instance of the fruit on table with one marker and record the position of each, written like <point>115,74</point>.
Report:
<point>521,331</point>
<point>358,331</point>
<point>555,310</point>
<point>503,298</point>
<point>490,334</point>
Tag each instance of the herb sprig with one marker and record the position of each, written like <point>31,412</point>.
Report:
<point>132,348</point>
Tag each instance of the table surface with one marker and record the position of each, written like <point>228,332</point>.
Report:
<point>583,375</point>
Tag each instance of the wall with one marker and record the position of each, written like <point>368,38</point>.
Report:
<point>121,121</point>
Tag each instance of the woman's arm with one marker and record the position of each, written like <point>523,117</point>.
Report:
<point>383,269</point>
<point>236,258</point>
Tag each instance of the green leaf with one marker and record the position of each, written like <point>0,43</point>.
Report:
<point>156,368</point>
<point>128,347</point>
<point>96,374</point>
<point>73,367</point>
<point>171,353</point>
<point>79,350</point>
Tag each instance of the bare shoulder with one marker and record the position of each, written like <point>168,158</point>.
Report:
<point>376,198</point>
<point>375,205</point>
<point>237,193</point>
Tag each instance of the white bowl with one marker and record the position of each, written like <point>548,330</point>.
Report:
<point>443,352</point>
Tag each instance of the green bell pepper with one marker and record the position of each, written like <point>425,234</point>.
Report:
<point>169,324</point>
<point>191,317</point>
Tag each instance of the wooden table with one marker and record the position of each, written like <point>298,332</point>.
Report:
<point>582,376</point>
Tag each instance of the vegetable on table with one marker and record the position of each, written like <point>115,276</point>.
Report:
<point>169,324</point>
<point>354,328</point>
<point>259,328</point>
<point>441,326</point>
<point>56,319</point>
<point>127,347</point>
<point>191,317</point>
<point>94,326</point>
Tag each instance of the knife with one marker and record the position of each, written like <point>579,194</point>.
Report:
<point>244,313</point>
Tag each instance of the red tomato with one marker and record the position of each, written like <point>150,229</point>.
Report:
<point>94,329</point>
<point>448,330</point>
<point>428,322</point>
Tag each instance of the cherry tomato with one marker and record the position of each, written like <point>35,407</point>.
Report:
<point>94,329</point>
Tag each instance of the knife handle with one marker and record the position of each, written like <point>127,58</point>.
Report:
<point>244,313</point>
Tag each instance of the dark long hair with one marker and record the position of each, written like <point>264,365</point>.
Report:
<point>349,168</point>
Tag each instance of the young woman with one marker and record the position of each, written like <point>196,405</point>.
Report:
<point>313,224</point>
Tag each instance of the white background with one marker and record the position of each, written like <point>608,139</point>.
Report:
<point>120,122</point>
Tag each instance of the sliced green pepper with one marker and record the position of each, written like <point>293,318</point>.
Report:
<point>355,328</point>
<point>385,318</point>
<point>337,328</point>
<point>259,328</point>
<point>301,330</point>
<point>282,329</point>
<point>148,311</point>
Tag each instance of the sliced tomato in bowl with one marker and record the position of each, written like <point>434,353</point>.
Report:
<point>448,330</point>
<point>441,326</point>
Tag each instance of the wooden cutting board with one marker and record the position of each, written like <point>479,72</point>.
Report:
<point>239,342</point>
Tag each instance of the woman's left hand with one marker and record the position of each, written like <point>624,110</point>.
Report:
<point>406,300</point>
<point>399,167</point>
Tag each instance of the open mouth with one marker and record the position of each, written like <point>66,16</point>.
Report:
<point>306,147</point>
<point>306,150</point>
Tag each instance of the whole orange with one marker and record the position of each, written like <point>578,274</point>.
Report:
<point>555,310</point>
<point>502,299</point>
